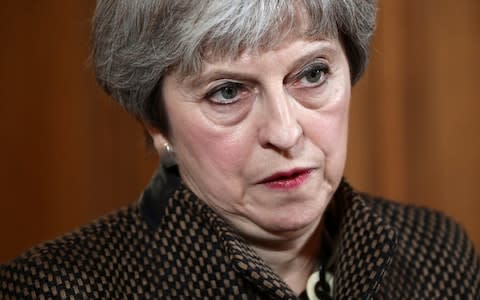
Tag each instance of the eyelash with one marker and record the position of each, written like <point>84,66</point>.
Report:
<point>316,66</point>
<point>210,95</point>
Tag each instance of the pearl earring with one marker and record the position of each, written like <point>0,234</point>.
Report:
<point>167,157</point>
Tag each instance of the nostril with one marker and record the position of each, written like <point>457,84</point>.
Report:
<point>281,134</point>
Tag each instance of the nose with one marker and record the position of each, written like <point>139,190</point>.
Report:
<point>280,128</point>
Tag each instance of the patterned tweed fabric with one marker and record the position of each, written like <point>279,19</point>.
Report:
<point>172,246</point>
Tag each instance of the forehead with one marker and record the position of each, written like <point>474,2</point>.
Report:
<point>281,42</point>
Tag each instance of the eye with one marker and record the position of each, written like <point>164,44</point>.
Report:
<point>226,93</point>
<point>313,75</point>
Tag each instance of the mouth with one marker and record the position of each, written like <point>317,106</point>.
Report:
<point>287,180</point>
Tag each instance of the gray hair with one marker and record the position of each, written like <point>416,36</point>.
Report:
<point>136,42</point>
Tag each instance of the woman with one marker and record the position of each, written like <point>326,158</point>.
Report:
<point>247,103</point>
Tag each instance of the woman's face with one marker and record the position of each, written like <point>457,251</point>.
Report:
<point>262,138</point>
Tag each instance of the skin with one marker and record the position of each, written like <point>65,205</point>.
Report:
<point>241,120</point>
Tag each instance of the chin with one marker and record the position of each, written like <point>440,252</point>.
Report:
<point>291,220</point>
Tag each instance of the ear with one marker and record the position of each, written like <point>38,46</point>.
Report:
<point>159,140</point>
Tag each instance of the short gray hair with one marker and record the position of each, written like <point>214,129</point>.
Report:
<point>136,42</point>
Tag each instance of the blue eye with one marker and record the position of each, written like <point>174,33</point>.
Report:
<point>313,74</point>
<point>225,94</point>
<point>228,92</point>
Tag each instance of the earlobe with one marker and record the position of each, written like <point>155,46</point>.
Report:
<point>159,140</point>
<point>162,145</point>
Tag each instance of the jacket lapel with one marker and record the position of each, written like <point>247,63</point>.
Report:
<point>366,249</point>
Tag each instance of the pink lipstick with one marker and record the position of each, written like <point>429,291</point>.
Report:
<point>287,180</point>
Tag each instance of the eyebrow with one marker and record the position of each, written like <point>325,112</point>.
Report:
<point>216,74</point>
<point>221,73</point>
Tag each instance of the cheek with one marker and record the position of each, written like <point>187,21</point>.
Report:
<point>328,127</point>
<point>217,150</point>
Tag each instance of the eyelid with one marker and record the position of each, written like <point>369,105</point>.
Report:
<point>209,95</point>
<point>316,64</point>
<point>220,86</point>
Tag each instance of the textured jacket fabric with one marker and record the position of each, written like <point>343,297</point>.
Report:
<point>172,246</point>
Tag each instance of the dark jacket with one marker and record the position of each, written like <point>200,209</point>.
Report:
<point>172,246</point>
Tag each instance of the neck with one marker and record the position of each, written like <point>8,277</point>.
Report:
<point>293,258</point>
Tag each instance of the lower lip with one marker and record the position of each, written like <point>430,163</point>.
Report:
<point>290,183</point>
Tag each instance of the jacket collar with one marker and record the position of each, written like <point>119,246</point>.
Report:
<point>366,248</point>
<point>365,243</point>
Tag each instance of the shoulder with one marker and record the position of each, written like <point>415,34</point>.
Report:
<point>75,264</point>
<point>433,252</point>
<point>422,225</point>
<point>407,217</point>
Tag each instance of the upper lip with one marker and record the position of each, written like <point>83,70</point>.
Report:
<point>284,174</point>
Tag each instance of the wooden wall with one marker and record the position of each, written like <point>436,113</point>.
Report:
<point>68,155</point>
<point>415,130</point>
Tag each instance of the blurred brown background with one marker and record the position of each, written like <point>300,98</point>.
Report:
<point>68,155</point>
